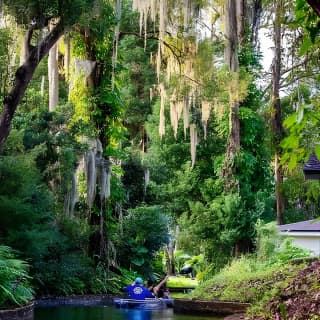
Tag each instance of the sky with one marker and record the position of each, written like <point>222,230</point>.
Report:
<point>266,45</point>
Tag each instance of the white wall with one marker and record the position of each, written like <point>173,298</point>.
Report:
<point>305,240</point>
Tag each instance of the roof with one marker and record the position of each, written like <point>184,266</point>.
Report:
<point>311,169</point>
<point>313,163</point>
<point>307,226</point>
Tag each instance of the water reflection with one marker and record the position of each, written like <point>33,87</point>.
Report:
<point>137,314</point>
<point>110,313</point>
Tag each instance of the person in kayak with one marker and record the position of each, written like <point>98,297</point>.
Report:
<point>137,291</point>
<point>161,290</point>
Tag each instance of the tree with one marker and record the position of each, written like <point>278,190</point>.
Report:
<point>36,15</point>
<point>234,32</point>
<point>315,4</point>
<point>53,74</point>
<point>277,127</point>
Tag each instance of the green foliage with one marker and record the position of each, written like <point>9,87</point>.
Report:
<point>255,278</point>
<point>145,231</point>
<point>59,150</point>
<point>107,281</point>
<point>41,11</point>
<point>181,282</point>
<point>7,41</point>
<point>182,259</point>
<point>139,77</point>
<point>225,225</point>
<point>43,151</point>
<point>306,16</point>
<point>24,199</point>
<point>301,137</point>
<point>78,96</point>
<point>133,178</point>
<point>244,280</point>
<point>15,288</point>
<point>302,121</point>
<point>268,239</point>
<point>27,224</point>
<point>64,272</point>
<point>302,197</point>
<point>276,250</point>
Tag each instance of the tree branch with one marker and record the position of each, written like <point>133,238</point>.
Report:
<point>23,77</point>
<point>152,36</point>
<point>27,42</point>
<point>307,59</point>
<point>315,5</point>
<point>298,77</point>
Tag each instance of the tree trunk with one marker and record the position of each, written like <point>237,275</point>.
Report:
<point>280,201</point>
<point>315,5</point>
<point>23,76</point>
<point>99,241</point>
<point>240,14</point>
<point>53,75</point>
<point>277,127</point>
<point>67,55</point>
<point>43,80</point>
<point>170,249</point>
<point>232,19</point>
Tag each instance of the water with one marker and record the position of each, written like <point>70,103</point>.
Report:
<point>110,313</point>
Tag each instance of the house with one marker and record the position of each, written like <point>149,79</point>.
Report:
<point>305,234</point>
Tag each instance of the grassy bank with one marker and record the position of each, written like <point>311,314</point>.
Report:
<point>287,290</point>
<point>280,281</point>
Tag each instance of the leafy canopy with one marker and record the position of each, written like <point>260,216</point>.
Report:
<point>41,11</point>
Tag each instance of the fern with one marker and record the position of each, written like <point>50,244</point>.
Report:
<point>14,280</point>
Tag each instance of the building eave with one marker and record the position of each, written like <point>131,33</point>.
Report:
<point>311,234</point>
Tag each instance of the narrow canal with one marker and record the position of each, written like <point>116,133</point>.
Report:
<point>111,313</point>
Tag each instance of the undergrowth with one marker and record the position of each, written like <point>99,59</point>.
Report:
<point>262,278</point>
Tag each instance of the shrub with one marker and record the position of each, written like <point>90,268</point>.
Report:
<point>14,280</point>
<point>145,231</point>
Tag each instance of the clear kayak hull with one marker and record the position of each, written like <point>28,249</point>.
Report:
<point>143,304</point>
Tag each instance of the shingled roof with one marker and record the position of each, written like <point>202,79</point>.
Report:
<point>311,169</point>
<point>306,226</point>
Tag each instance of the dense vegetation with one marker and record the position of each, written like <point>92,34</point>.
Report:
<point>274,280</point>
<point>153,137</point>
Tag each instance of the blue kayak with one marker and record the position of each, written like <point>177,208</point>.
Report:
<point>152,303</point>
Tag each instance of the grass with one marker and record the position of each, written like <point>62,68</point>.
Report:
<point>244,280</point>
<point>181,282</point>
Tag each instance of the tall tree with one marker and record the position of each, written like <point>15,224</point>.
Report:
<point>233,31</point>
<point>277,127</point>
<point>35,15</point>
<point>53,74</point>
<point>101,111</point>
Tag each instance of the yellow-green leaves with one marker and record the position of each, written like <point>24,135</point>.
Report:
<point>301,136</point>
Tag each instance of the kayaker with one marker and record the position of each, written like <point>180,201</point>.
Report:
<point>161,291</point>
<point>137,291</point>
<point>188,270</point>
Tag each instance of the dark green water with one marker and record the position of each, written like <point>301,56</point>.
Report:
<point>110,313</point>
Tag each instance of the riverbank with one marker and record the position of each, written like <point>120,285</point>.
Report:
<point>76,300</point>
<point>290,289</point>
<point>209,307</point>
<point>19,313</point>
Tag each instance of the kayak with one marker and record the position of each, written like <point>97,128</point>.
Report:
<point>149,303</point>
